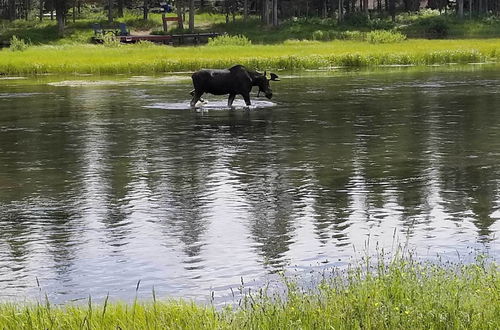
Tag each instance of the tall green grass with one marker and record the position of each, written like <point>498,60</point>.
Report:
<point>290,55</point>
<point>227,40</point>
<point>386,294</point>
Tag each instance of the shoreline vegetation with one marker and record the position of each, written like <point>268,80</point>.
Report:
<point>290,55</point>
<point>392,294</point>
<point>296,44</point>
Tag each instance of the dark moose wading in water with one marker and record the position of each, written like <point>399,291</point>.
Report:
<point>100,190</point>
<point>236,80</point>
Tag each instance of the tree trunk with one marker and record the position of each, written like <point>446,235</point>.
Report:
<point>460,8</point>
<point>119,10</point>
<point>341,10</point>
<point>60,25</point>
<point>180,22</point>
<point>28,9</point>
<point>275,12</point>
<point>110,11</point>
<point>41,10</point>
<point>265,12</point>
<point>245,11</point>
<point>145,10</point>
<point>365,7</point>
<point>61,16</point>
<point>392,9</point>
<point>164,22</point>
<point>51,5</point>
<point>191,16</point>
<point>12,10</point>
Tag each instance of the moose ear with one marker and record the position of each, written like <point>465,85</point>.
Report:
<point>274,77</point>
<point>265,74</point>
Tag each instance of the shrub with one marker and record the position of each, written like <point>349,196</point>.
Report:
<point>434,26</point>
<point>18,44</point>
<point>381,24</point>
<point>352,35</point>
<point>227,40</point>
<point>109,40</point>
<point>320,35</point>
<point>356,19</point>
<point>438,26</point>
<point>384,37</point>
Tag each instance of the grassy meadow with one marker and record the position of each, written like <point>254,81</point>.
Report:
<point>400,294</point>
<point>149,58</point>
<point>306,43</point>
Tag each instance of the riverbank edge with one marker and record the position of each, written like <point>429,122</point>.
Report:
<point>399,294</point>
<point>296,55</point>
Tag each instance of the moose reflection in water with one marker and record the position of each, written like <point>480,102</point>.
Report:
<point>236,80</point>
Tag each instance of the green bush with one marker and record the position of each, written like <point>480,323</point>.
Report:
<point>412,17</point>
<point>320,35</point>
<point>381,24</point>
<point>384,37</point>
<point>18,44</point>
<point>109,40</point>
<point>227,40</point>
<point>352,35</point>
<point>357,19</point>
<point>434,26</point>
<point>437,25</point>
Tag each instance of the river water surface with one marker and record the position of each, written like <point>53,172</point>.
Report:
<point>105,182</point>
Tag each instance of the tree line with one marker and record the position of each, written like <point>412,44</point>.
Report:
<point>270,11</point>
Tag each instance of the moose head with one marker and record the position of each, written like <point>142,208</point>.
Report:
<point>262,82</point>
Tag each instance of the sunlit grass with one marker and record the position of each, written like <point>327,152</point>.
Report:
<point>392,294</point>
<point>289,55</point>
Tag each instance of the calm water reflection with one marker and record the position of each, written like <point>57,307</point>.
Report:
<point>103,184</point>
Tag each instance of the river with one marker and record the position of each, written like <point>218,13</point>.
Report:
<point>108,181</point>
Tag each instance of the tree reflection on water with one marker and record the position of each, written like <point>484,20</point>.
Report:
<point>95,185</point>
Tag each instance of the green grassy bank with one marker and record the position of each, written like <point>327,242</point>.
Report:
<point>401,294</point>
<point>147,58</point>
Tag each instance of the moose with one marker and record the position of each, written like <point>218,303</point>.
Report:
<point>233,81</point>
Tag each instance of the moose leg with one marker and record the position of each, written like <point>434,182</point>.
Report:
<point>246,97</point>
<point>196,97</point>
<point>230,100</point>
